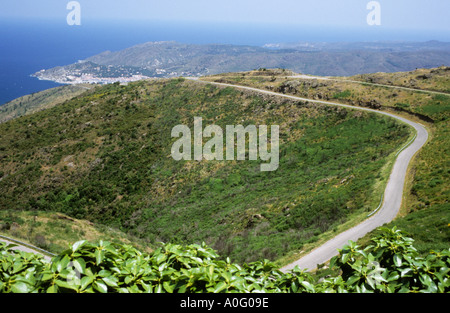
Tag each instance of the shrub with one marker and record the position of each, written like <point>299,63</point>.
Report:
<point>390,264</point>
<point>41,242</point>
<point>342,95</point>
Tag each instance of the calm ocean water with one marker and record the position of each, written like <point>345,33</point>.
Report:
<point>27,46</point>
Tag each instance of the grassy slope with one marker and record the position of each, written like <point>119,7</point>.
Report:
<point>105,156</point>
<point>425,209</point>
<point>55,232</point>
<point>427,79</point>
<point>40,100</point>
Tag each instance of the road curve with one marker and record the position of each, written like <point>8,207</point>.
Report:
<point>392,195</point>
<point>392,201</point>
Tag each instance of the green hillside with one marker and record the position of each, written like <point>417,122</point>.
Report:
<point>104,156</point>
<point>40,100</point>
<point>425,213</point>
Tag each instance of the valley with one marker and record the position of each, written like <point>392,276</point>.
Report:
<point>83,147</point>
<point>107,162</point>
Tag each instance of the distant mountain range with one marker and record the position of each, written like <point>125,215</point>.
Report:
<point>172,59</point>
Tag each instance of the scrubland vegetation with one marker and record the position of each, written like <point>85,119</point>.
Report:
<point>103,158</point>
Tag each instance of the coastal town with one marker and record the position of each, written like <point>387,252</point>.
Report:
<point>87,72</point>
<point>90,73</point>
<point>88,78</point>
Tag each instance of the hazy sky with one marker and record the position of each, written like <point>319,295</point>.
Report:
<point>395,14</point>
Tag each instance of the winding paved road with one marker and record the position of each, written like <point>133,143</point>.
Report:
<point>392,196</point>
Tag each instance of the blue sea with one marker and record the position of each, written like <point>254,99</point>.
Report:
<point>27,46</point>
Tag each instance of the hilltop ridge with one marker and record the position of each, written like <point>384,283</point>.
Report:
<point>173,59</point>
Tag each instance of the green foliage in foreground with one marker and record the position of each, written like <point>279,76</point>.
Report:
<point>390,264</point>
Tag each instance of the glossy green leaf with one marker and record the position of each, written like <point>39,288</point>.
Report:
<point>99,255</point>
<point>110,281</point>
<point>220,286</point>
<point>21,287</point>
<point>100,286</point>
<point>77,245</point>
<point>168,286</point>
<point>86,281</point>
<point>66,284</point>
<point>159,288</point>
<point>353,279</point>
<point>308,286</point>
<point>397,260</point>
<point>79,264</point>
<point>53,289</point>
<point>47,276</point>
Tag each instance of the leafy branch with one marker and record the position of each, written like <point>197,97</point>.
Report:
<point>390,264</point>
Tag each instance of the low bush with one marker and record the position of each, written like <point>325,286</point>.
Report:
<point>389,265</point>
